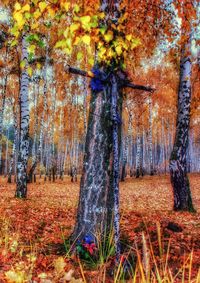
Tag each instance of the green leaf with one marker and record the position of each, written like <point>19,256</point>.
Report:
<point>30,38</point>
<point>30,56</point>
<point>22,64</point>
<point>79,55</point>
<point>13,43</point>
<point>76,8</point>
<point>41,43</point>
<point>27,15</point>
<point>103,29</point>
<point>85,19</point>
<point>36,37</point>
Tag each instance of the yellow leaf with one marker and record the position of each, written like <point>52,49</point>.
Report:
<point>129,37</point>
<point>35,2</point>
<point>13,43</point>
<point>85,19</point>
<point>67,51</point>
<point>91,61</point>
<point>38,66</point>
<point>101,52</point>
<point>42,6</point>
<point>77,40</point>
<point>42,275</point>
<point>101,15</point>
<point>125,46</point>
<point>135,43</point>
<point>14,31</point>
<point>66,6</point>
<point>18,16</point>
<point>60,44</point>
<point>19,19</point>
<point>51,12</point>
<point>86,39</point>
<point>30,71</point>
<point>34,25</point>
<point>90,73</point>
<point>18,6</point>
<point>26,8</point>
<point>108,36</point>
<point>111,53</point>
<point>118,50</point>
<point>37,14</point>
<point>31,48</point>
<point>15,277</point>
<point>76,8</point>
<point>68,43</point>
<point>22,64</point>
<point>66,32</point>
<point>59,264</point>
<point>74,27</point>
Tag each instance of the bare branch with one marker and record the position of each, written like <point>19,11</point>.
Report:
<point>139,87</point>
<point>125,83</point>
<point>79,72</point>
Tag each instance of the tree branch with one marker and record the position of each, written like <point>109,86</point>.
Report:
<point>79,72</point>
<point>125,83</point>
<point>139,87</point>
<point>40,60</point>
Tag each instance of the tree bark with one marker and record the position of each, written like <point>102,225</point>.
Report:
<point>96,203</point>
<point>178,164</point>
<point>13,155</point>
<point>138,153</point>
<point>150,137</point>
<point>21,190</point>
<point>126,147</point>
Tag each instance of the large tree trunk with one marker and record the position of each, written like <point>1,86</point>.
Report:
<point>178,164</point>
<point>21,191</point>
<point>96,202</point>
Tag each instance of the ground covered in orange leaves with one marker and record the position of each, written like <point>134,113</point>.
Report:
<point>32,231</point>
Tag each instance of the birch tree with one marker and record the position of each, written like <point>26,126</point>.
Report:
<point>21,190</point>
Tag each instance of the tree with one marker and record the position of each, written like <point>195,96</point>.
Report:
<point>99,191</point>
<point>178,162</point>
<point>178,159</point>
<point>21,190</point>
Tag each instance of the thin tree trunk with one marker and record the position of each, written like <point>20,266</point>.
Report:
<point>138,153</point>
<point>14,153</point>
<point>126,147</point>
<point>6,159</point>
<point>21,190</point>
<point>2,117</point>
<point>38,155</point>
<point>150,137</point>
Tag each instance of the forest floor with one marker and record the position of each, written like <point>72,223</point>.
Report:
<point>32,231</point>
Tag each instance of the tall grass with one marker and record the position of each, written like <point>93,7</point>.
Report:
<point>145,261</point>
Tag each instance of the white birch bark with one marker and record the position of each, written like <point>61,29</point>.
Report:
<point>21,191</point>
